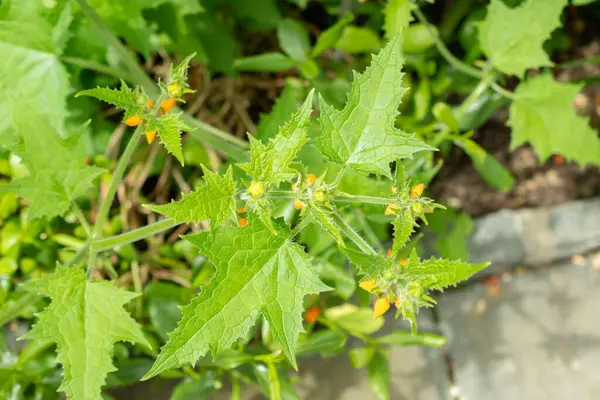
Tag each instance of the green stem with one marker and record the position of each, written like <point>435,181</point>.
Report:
<point>301,225</point>
<point>133,236</point>
<point>366,228</point>
<point>441,46</point>
<point>104,69</point>
<point>115,180</point>
<point>480,89</point>
<point>82,220</point>
<point>506,93</point>
<point>91,264</point>
<point>12,309</point>
<point>79,255</point>
<point>287,194</point>
<point>353,235</point>
<point>127,58</point>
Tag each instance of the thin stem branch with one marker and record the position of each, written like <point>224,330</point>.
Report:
<point>366,228</point>
<point>300,227</point>
<point>441,46</point>
<point>79,255</point>
<point>135,235</point>
<point>81,217</point>
<point>353,235</point>
<point>506,93</point>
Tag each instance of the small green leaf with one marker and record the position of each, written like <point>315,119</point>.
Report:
<point>356,39</point>
<point>397,17</point>
<point>354,319</point>
<point>406,338</point>
<point>379,376</point>
<point>443,113</point>
<point>285,105</point>
<point>543,115</point>
<point>214,201</point>
<point>85,319</point>
<point>169,127</point>
<point>513,38</point>
<point>439,273</point>
<point>293,39</point>
<point>322,341</point>
<point>265,62</point>
<point>329,37</point>
<point>257,273</point>
<point>404,226</point>
<point>363,135</point>
<point>488,167</point>
<point>124,98</point>
<point>271,163</point>
<point>418,38</point>
<point>369,265</point>
<point>361,357</point>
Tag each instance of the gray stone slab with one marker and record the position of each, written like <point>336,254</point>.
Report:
<point>537,339</point>
<point>536,236</point>
<point>417,373</point>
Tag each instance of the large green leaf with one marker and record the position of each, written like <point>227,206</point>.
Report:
<point>257,272</point>
<point>512,38</point>
<point>31,74</point>
<point>58,173</point>
<point>85,319</point>
<point>543,115</point>
<point>214,201</point>
<point>271,163</point>
<point>363,135</point>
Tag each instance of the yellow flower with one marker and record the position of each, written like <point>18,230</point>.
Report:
<point>168,105</point>
<point>367,285</point>
<point>391,209</point>
<point>133,121</point>
<point>243,222</point>
<point>381,306</point>
<point>150,135</point>
<point>417,190</point>
<point>311,178</point>
<point>298,204</point>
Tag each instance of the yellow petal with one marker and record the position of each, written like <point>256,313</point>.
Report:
<point>391,209</point>
<point>133,121</point>
<point>367,285</point>
<point>417,190</point>
<point>381,306</point>
<point>311,178</point>
<point>298,204</point>
<point>150,135</point>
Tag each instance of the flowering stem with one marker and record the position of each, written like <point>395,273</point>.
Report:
<point>353,235</point>
<point>133,236</point>
<point>287,194</point>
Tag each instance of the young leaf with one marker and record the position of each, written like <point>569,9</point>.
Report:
<point>363,134</point>
<point>494,173</point>
<point>379,376</point>
<point>404,226</point>
<point>285,105</point>
<point>293,39</point>
<point>257,273</point>
<point>58,173</point>
<point>369,265</point>
<point>438,274</point>
<point>543,115</point>
<point>512,38</point>
<point>85,319</point>
<point>397,17</point>
<point>214,201</point>
<point>169,127</point>
<point>329,37</point>
<point>124,98</point>
<point>270,163</point>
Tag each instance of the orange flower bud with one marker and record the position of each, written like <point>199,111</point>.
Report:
<point>150,135</point>
<point>367,285</point>
<point>558,160</point>
<point>404,261</point>
<point>417,190</point>
<point>391,209</point>
<point>381,306</point>
<point>389,252</point>
<point>298,204</point>
<point>311,178</point>
<point>294,187</point>
<point>241,210</point>
<point>150,104</point>
<point>428,211</point>
<point>312,314</point>
<point>394,189</point>
<point>168,104</point>
<point>133,121</point>
<point>243,222</point>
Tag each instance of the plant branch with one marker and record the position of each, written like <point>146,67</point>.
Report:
<point>133,236</point>
<point>353,235</point>
<point>287,194</point>
<point>104,69</point>
<point>81,217</point>
<point>79,255</point>
<point>441,46</point>
<point>301,225</point>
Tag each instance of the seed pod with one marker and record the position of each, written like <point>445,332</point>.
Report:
<point>133,121</point>
<point>298,204</point>
<point>256,189</point>
<point>150,135</point>
<point>381,306</point>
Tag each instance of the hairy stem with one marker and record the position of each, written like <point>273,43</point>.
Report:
<point>301,225</point>
<point>133,236</point>
<point>353,235</point>
<point>287,194</point>
<point>81,217</point>
<point>79,255</point>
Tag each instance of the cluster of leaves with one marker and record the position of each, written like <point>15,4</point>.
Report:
<point>351,172</point>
